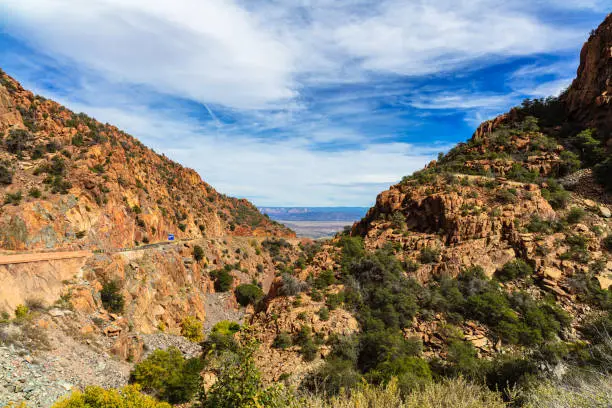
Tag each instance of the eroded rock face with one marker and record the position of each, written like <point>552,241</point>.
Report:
<point>283,316</point>
<point>97,187</point>
<point>589,98</point>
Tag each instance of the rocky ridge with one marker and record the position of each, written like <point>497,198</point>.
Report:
<point>69,181</point>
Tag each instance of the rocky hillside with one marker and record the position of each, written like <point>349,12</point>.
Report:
<point>462,256</point>
<point>67,180</point>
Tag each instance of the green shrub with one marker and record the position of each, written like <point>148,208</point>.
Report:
<point>247,294</point>
<point>191,329</point>
<point>34,193</point>
<point>334,300</point>
<point>18,141</point>
<point>325,279</point>
<point>282,341</point>
<point>13,198</point>
<point>575,215</point>
<point>429,255</point>
<point>6,176</point>
<point>309,350</point>
<point>97,397</point>
<point>506,196</point>
<point>167,375</point>
<point>514,269</point>
<point>539,225</point>
<point>336,375</point>
<point>352,249</point>
<point>226,328</point>
<point>570,162</point>
<point>198,253</point>
<point>521,174</point>
<point>464,359</point>
<point>607,243</point>
<point>223,280</point>
<point>506,372</point>
<point>591,149</point>
<point>239,385</point>
<point>603,173</point>
<point>222,337</point>
<point>112,299</point>
<point>77,140</point>
<point>555,194</point>
<point>412,373</point>
<point>21,311</point>
<point>578,250</point>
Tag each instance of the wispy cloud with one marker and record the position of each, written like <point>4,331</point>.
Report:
<point>295,102</point>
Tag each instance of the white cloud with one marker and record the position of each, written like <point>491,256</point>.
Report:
<point>258,60</point>
<point>461,100</point>
<point>210,51</point>
<point>259,54</point>
<point>274,172</point>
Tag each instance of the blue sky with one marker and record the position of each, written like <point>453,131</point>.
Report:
<point>296,103</point>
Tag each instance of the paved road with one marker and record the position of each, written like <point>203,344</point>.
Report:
<point>7,259</point>
<point>43,256</point>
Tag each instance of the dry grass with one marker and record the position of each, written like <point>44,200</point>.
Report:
<point>592,391</point>
<point>454,393</point>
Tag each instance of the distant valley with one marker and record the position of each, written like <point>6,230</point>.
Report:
<point>315,222</point>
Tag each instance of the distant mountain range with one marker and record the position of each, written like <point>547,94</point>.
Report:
<point>348,214</point>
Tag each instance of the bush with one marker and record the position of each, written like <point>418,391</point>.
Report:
<point>21,311</point>
<point>97,397</point>
<point>514,269</point>
<point>607,243</point>
<point>223,280</point>
<point>324,314</point>
<point>555,194</point>
<point>591,149</point>
<point>282,341</point>
<point>6,176</point>
<point>575,215</point>
<point>309,350</point>
<point>13,198</point>
<point>198,253</point>
<point>603,173</point>
<point>429,255</point>
<point>191,329</point>
<point>226,328</point>
<point>334,376</point>
<point>291,285</point>
<point>247,294</point>
<point>222,337</point>
<point>112,299</point>
<point>506,196</point>
<point>325,279</point>
<point>168,376</point>
<point>411,372</point>
<point>239,385</point>
<point>464,359</point>
<point>18,140</point>
<point>34,193</point>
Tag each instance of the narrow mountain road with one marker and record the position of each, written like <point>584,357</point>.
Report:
<point>42,256</point>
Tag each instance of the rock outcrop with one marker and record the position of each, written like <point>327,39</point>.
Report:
<point>589,99</point>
